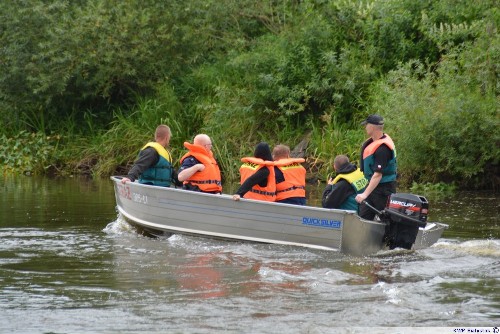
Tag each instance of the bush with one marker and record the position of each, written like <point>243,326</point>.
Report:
<point>135,129</point>
<point>445,124</point>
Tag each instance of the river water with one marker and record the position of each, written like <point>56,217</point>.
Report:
<point>69,264</point>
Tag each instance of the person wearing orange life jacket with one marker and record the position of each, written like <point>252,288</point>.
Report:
<point>378,164</point>
<point>290,177</point>
<point>153,165</point>
<point>199,170</point>
<point>257,176</point>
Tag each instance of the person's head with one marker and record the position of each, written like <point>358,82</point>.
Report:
<point>162,135</point>
<point>263,152</point>
<point>373,124</point>
<point>340,161</point>
<point>281,152</point>
<point>203,140</point>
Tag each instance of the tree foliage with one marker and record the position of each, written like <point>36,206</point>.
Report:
<point>246,71</point>
<point>445,121</point>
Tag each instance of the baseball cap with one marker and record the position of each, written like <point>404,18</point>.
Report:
<point>373,119</point>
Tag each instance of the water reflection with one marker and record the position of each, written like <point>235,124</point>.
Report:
<point>44,202</point>
<point>197,268</point>
<point>209,275</point>
<point>201,274</point>
<point>470,215</point>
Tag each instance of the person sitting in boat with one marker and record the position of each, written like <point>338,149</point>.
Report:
<point>199,170</point>
<point>257,176</point>
<point>154,163</point>
<point>290,177</point>
<point>340,193</point>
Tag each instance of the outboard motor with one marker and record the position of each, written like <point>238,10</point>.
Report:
<point>404,214</point>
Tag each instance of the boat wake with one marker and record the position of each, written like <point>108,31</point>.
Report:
<point>482,247</point>
<point>119,226</point>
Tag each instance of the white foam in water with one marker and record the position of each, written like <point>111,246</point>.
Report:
<point>275,275</point>
<point>482,247</point>
<point>473,247</point>
<point>119,226</point>
<point>390,291</point>
<point>195,243</point>
<point>175,238</point>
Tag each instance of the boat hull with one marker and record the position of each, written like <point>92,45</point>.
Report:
<point>169,210</point>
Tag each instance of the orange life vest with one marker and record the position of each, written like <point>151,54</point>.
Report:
<point>249,167</point>
<point>295,179</point>
<point>389,173</point>
<point>209,179</point>
<point>372,147</point>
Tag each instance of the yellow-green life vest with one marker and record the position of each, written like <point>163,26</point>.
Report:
<point>161,173</point>
<point>358,182</point>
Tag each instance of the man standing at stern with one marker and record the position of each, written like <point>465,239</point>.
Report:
<point>378,164</point>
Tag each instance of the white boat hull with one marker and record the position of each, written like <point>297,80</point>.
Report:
<point>170,210</point>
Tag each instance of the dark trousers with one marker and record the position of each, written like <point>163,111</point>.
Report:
<point>378,199</point>
<point>294,200</point>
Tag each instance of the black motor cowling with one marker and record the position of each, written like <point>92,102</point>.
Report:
<point>404,214</point>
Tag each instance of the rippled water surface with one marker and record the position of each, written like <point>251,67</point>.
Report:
<point>69,264</point>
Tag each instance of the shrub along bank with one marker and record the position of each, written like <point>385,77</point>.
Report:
<point>84,83</point>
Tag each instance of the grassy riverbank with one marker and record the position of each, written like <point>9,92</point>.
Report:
<point>84,84</point>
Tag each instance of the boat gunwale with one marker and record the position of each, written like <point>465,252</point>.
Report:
<point>437,228</point>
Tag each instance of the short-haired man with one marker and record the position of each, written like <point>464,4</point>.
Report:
<point>290,177</point>
<point>379,165</point>
<point>199,170</point>
<point>154,163</point>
